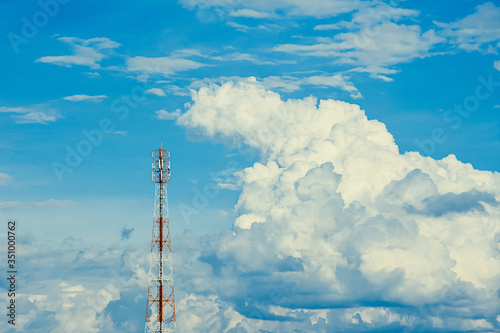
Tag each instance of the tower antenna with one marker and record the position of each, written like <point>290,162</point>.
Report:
<point>160,312</point>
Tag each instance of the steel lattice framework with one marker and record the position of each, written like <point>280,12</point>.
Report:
<point>160,312</point>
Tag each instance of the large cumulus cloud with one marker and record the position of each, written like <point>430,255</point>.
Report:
<point>337,228</point>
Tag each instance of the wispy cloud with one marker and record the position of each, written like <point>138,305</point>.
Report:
<point>156,91</point>
<point>86,52</point>
<point>15,109</point>
<point>161,65</point>
<point>376,72</point>
<point>165,115</point>
<point>5,179</point>
<point>245,28</point>
<point>176,90</point>
<point>283,83</point>
<point>334,81</point>
<point>37,114</point>
<point>92,74</point>
<point>256,9</point>
<point>80,98</point>
<point>236,56</point>
<point>290,83</point>
<point>391,44</point>
<point>36,204</point>
<point>249,13</point>
<point>477,32</point>
<point>186,52</point>
<point>38,117</point>
<point>369,16</point>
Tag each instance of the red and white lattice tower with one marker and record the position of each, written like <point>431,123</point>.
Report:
<point>160,313</point>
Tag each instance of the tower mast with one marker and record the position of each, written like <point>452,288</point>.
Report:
<point>160,312</point>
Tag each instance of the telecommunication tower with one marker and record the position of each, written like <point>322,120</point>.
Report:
<point>160,312</point>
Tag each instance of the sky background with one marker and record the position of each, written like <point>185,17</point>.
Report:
<point>334,163</point>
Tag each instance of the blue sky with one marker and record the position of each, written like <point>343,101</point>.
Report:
<point>240,93</point>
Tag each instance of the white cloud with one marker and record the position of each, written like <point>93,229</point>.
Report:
<point>367,17</point>
<point>37,117</point>
<point>376,72</point>
<point>5,179</point>
<point>239,27</point>
<point>336,81</point>
<point>249,13</point>
<point>122,133</point>
<point>165,115</point>
<point>93,74</point>
<point>375,41</point>
<point>155,91</point>
<point>17,109</point>
<point>176,90</point>
<point>199,313</point>
<point>222,213</point>
<point>21,205</point>
<point>283,83</point>
<point>86,295</point>
<point>315,8</point>
<point>333,215</point>
<point>382,45</point>
<point>82,97</point>
<point>37,114</point>
<point>290,83</point>
<point>236,57</point>
<point>251,58</point>
<point>496,64</point>
<point>161,65</point>
<point>86,52</point>
<point>183,53</point>
<point>375,315</point>
<point>477,32</point>
<point>91,303</point>
<point>333,26</point>
<point>245,28</point>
